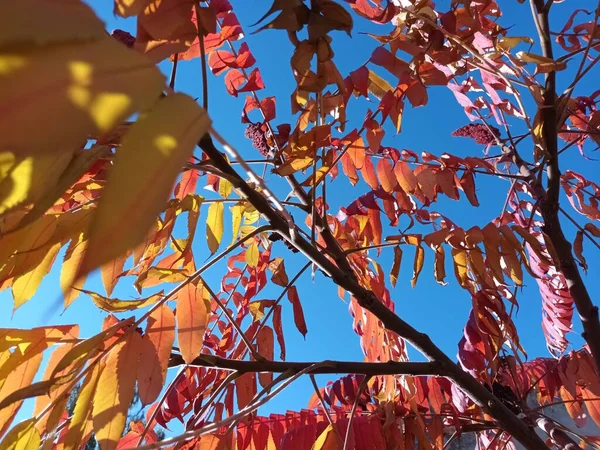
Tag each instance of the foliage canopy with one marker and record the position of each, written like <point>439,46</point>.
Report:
<point>121,161</point>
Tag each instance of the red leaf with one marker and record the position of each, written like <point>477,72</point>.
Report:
<point>292,295</point>
<point>467,183</point>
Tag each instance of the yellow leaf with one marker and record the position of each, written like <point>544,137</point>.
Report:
<point>26,285</point>
<point>417,265</point>
<point>154,276</point>
<point>28,178</point>
<point>378,86</point>
<point>24,436</point>
<point>128,8</point>
<point>114,305</point>
<point>460,267</point>
<point>214,226</point>
<point>115,391</point>
<point>225,188</point>
<point>69,268</point>
<point>52,191</point>
<point>141,181</point>
<point>511,261</point>
<point>328,440</point>
<point>57,355</point>
<point>85,349</point>
<point>81,414</point>
<point>252,255</point>
<point>236,219</point>
<point>543,64</point>
<point>439,270</point>
<point>509,42</point>
<point>396,265</point>
<point>192,313</point>
<point>92,86</point>
<point>53,22</point>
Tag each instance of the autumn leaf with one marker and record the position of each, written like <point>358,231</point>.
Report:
<point>90,81</point>
<point>83,407</point>
<point>292,295</point>
<point>266,349</point>
<point>192,313</point>
<point>155,353</point>
<point>252,255</point>
<point>24,436</point>
<point>214,226</point>
<point>85,349</point>
<point>114,391</point>
<point>19,378</point>
<point>114,305</point>
<point>245,389</point>
<point>155,149</point>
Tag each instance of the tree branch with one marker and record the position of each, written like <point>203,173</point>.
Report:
<point>330,367</point>
<point>347,280</point>
<point>549,205</point>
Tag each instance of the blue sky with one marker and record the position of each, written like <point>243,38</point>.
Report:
<point>431,308</point>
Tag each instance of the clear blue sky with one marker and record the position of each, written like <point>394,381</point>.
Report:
<point>439,311</point>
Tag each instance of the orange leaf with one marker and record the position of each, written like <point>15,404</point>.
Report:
<point>88,348</point>
<point>192,313</point>
<point>266,347</point>
<point>396,266</point>
<point>57,355</point>
<point>110,273</point>
<point>356,152</point>
<point>70,265</point>
<point>19,378</point>
<point>115,391</point>
<point>368,173</point>
<point>385,173</point>
<point>156,350</point>
<point>427,183</point>
<point>245,388</point>
<point>406,178</point>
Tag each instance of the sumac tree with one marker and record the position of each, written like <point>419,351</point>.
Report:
<point>103,159</point>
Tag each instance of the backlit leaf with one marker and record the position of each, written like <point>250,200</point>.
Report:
<point>192,313</point>
<point>156,350</point>
<point>24,436</point>
<point>83,408</point>
<point>91,85</point>
<point>139,184</point>
<point>266,347</point>
<point>22,376</point>
<point>292,295</point>
<point>86,349</point>
<point>114,391</point>
<point>396,266</point>
<point>115,305</point>
<point>214,226</point>
<point>252,255</point>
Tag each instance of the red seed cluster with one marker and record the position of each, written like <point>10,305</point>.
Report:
<point>123,37</point>
<point>255,132</point>
<point>480,132</point>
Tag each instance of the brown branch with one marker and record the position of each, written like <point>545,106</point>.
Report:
<point>347,280</point>
<point>549,205</point>
<point>331,367</point>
